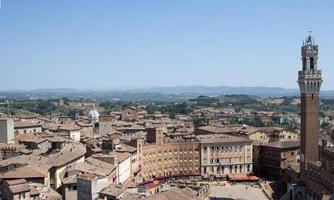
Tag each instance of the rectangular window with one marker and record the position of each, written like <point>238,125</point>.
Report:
<point>22,196</point>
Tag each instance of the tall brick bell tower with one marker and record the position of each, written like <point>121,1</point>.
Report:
<point>309,80</point>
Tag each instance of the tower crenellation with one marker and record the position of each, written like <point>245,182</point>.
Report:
<point>309,78</point>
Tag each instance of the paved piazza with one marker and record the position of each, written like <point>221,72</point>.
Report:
<point>237,191</point>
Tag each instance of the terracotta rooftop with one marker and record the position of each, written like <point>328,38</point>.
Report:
<point>283,144</point>
<point>30,137</point>
<point>130,128</point>
<point>264,129</point>
<point>113,190</point>
<point>101,164</point>
<point>17,186</point>
<point>217,129</point>
<point>50,126</point>
<point>222,138</point>
<point>129,196</point>
<point>88,176</point>
<point>151,184</point>
<point>30,159</point>
<point>98,168</point>
<point>26,171</point>
<point>44,192</point>
<point>121,156</point>
<point>126,148</point>
<point>26,124</point>
<point>72,179</point>
<point>68,127</point>
<point>16,181</point>
<point>83,124</point>
<point>55,138</point>
<point>71,151</point>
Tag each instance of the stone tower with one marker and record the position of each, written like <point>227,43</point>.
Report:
<point>7,130</point>
<point>309,80</point>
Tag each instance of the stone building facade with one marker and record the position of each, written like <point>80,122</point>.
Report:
<point>130,113</point>
<point>23,127</point>
<point>89,185</point>
<point>164,157</point>
<point>272,158</point>
<point>105,125</point>
<point>320,174</point>
<point>223,155</point>
<point>209,155</point>
<point>272,134</point>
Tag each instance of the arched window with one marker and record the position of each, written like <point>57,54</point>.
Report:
<point>304,63</point>
<point>312,63</point>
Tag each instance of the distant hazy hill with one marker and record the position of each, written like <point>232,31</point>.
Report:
<point>226,90</point>
<point>155,93</point>
<point>55,90</point>
<point>223,90</point>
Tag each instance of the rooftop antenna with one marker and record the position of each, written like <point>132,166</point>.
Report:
<point>309,31</point>
<point>309,38</point>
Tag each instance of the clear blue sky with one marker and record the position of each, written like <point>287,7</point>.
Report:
<point>107,44</point>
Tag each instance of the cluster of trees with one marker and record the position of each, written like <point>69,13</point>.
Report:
<point>46,107</point>
<point>204,101</point>
<point>172,109</point>
<point>42,107</point>
<point>112,106</point>
<point>72,112</point>
<point>199,121</point>
<point>256,121</point>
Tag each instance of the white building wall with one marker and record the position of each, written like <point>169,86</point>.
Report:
<point>75,135</point>
<point>98,185</point>
<point>124,170</point>
<point>28,130</point>
<point>230,159</point>
<point>60,170</point>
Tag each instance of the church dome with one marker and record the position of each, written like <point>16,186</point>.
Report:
<point>93,115</point>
